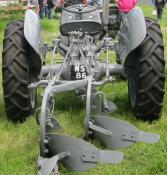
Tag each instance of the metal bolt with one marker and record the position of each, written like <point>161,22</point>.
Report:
<point>46,141</point>
<point>93,156</point>
<point>46,151</point>
<point>106,110</point>
<point>49,124</point>
<point>68,154</point>
<point>90,132</point>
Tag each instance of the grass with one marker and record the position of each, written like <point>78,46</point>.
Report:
<point>19,142</point>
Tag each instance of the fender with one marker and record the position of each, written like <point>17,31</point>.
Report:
<point>132,32</point>
<point>32,35</point>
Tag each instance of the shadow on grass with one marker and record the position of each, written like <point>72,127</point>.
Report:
<point>69,102</point>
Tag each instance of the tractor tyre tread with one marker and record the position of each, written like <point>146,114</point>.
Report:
<point>150,75</point>
<point>15,71</point>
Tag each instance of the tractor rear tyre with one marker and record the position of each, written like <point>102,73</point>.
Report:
<point>19,102</point>
<point>146,76</point>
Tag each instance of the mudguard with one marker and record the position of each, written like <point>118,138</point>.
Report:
<point>32,35</point>
<point>132,32</point>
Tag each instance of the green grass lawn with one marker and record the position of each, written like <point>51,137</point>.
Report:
<point>19,148</point>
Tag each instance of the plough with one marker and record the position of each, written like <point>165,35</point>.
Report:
<point>86,34</point>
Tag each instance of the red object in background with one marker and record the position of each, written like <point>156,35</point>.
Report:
<point>61,2</point>
<point>126,5</point>
<point>85,2</point>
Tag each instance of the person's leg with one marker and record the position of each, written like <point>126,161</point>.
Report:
<point>160,8</point>
<point>46,11</point>
<point>155,9</point>
<point>41,12</point>
<point>153,2</point>
<point>159,14</point>
<point>50,13</point>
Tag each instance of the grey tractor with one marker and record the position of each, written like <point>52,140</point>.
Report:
<point>87,33</point>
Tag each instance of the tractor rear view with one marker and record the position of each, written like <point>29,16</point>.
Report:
<point>86,34</point>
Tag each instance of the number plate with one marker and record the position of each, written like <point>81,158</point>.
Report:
<point>78,72</point>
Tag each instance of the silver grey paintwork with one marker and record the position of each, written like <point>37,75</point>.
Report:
<point>79,48</point>
<point>32,35</point>
<point>132,32</point>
